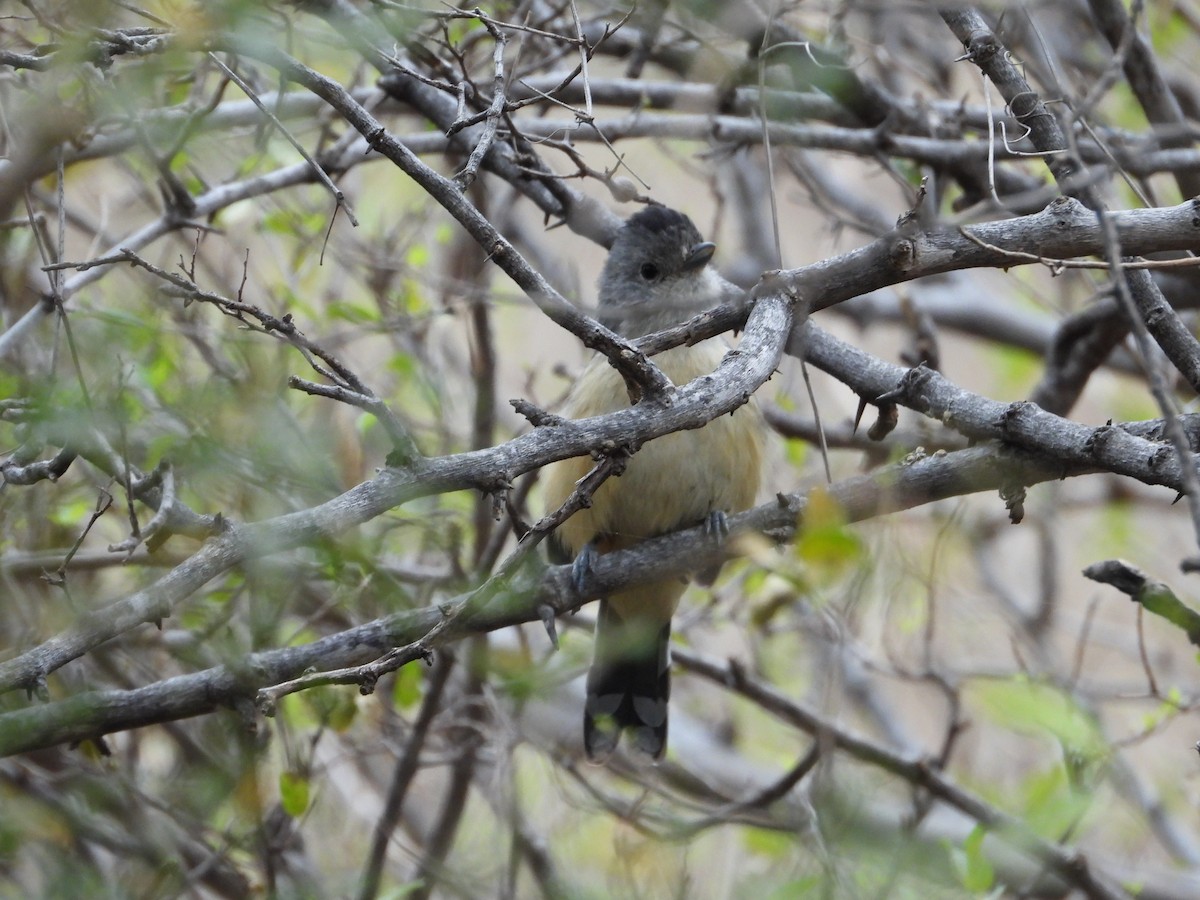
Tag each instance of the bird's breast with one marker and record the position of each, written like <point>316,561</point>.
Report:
<point>672,482</point>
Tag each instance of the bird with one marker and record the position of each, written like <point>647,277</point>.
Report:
<point>657,274</point>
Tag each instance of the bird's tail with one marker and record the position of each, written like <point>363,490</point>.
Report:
<point>629,683</point>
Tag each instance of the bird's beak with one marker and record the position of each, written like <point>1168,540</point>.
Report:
<point>699,255</point>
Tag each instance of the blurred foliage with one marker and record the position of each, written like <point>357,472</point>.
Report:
<point>896,631</point>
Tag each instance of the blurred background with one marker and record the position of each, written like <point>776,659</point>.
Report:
<point>164,233</point>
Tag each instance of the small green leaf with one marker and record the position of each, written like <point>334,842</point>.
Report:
<point>74,513</point>
<point>1159,599</point>
<point>406,689</point>
<point>825,543</point>
<point>356,311</point>
<point>772,844</point>
<point>978,874</point>
<point>279,222</point>
<point>293,793</point>
<point>417,257</point>
<point>807,886</point>
<point>796,453</point>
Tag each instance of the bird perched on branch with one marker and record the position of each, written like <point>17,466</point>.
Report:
<point>657,275</point>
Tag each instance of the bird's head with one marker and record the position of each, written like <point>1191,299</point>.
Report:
<point>657,274</point>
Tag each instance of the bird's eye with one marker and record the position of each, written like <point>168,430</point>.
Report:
<point>649,271</point>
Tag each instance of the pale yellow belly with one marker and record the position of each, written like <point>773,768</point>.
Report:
<point>673,482</point>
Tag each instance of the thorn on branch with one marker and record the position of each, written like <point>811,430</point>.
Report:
<point>1012,412</point>
<point>980,46</point>
<point>912,215</point>
<point>858,413</point>
<point>546,614</point>
<point>535,415</point>
<point>1098,437</point>
<point>909,382</point>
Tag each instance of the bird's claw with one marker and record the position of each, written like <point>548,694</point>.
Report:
<point>581,568</point>
<point>716,526</point>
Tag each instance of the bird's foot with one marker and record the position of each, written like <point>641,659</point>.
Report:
<point>581,568</point>
<point>716,526</point>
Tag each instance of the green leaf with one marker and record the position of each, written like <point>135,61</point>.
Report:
<point>358,312</point>
<point>978,874</point>
<point>807,886</point>
<point>825,543</point>
<point>293,793</point>
<point>279,221</point>
<point>1052,805</point>
<point>765,842</point>
<point>796,453</point>
<point>1033,708</point>
<point>406,688</point>
<point>74,513</point>
<point>1172,705</point>
<point>1159,599</point>
<point>1014,369</point>
<point>417,257</point>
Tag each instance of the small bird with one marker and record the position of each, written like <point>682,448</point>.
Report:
<point>657,274</point>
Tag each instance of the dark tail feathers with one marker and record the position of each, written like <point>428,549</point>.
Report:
<point>628,685</point>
